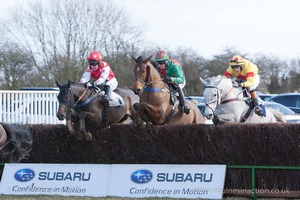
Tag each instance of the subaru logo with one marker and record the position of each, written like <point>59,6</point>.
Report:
<point>141,176</point>
<point>24,175</point>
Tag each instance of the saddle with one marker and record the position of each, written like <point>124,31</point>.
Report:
<point>114,100</point>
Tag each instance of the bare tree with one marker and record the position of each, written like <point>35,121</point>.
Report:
<point>295,76</point>
<point>15,67</point>
<point>274,74</point>
<point>57,35</point>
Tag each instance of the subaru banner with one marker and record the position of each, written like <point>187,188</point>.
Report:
<point>119,180</point>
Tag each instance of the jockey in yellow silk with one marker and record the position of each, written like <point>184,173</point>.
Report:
<point>247,72</point>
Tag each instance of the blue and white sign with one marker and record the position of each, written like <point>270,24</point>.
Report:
<point>173,181</point>
<point>55,179</point>
<point>96,180</point>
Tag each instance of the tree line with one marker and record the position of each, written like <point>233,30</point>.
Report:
<point>49,41</point>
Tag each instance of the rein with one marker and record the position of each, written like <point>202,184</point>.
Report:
<point>147,82</point>
<point>243,119</point>
<point>86,89</point>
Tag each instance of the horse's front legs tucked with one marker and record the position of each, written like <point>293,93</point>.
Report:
<point>87,135</point>
<point>148,113</point>
<point>70,125</point>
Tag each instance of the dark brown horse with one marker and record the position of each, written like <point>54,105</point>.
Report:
<point>157,105</point>
<point>82,106</point>
<point>15,142</point>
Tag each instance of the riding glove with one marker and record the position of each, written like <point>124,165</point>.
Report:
<point>167,79</point>
<point>87,84</point>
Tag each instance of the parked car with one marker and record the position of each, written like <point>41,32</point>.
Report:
<point>265,97</point>
<point>290,100</point>
<point>289,115</point>
<point>199,99</point>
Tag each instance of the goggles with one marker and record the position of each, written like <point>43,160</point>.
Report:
<point>235,66</point>
<point>93,62</point>
<point>161,62</point>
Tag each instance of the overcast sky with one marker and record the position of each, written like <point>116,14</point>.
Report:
<point>270,27</point>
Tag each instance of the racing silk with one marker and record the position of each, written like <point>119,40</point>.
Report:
<point>102,74</point>
<point>248,71</point>
<point>174,71</point>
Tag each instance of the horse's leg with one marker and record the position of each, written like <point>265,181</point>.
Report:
<point>70,126</point>
<point>83,133</point>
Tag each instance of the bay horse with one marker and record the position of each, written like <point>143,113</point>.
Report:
<point>82,106</point>
<point>157,104</point>
<point>225,103</point>
<point>3,136</point>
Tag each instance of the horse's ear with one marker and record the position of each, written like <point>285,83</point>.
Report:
<point>69,84</point>
<point>147,60</point>
<point>135,60</point>
<point>58,85</point>
<point>203,81</point>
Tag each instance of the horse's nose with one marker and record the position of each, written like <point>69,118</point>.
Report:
<point>137,91</point>
<point>209,116</point>
<point>60,116</point>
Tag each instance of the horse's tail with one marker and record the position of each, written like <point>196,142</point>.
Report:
<point>18,144</point>
<point>278,115</point>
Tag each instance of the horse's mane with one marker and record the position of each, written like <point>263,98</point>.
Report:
<point>214,80</point>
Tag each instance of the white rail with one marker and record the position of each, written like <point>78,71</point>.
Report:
<point>29,107</point>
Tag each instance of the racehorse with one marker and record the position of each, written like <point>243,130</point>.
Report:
<point>225,103</point>
<point>157,103</point>
<point>79,104</point>
<point>3,136</point>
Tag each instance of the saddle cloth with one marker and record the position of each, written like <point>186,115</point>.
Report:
<point>115,99</point>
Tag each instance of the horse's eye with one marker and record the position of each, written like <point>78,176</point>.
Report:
<point>66,97</point>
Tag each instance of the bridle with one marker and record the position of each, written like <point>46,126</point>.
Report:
<point>219,99</point>
<point>147,82</point>
<point>71,101</point>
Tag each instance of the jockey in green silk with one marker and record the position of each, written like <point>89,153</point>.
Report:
<point>172,72</point>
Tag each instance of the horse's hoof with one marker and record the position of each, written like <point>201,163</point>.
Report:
<point>80,136</point>
<point>72,132</point>
<point>88,136</point>
<point>137,106</point>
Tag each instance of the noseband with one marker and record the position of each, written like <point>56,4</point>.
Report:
<point>219,100</point>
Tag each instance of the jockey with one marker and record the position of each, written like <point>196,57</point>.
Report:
<point>171,71</point>
<point>247,72</point>
<point>101,74</point>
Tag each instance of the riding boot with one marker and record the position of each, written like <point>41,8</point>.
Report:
<point>186,109</point>
<point>107,93</point>
<point>257,108</point>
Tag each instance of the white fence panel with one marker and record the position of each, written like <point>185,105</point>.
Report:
<point>29,107</point>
